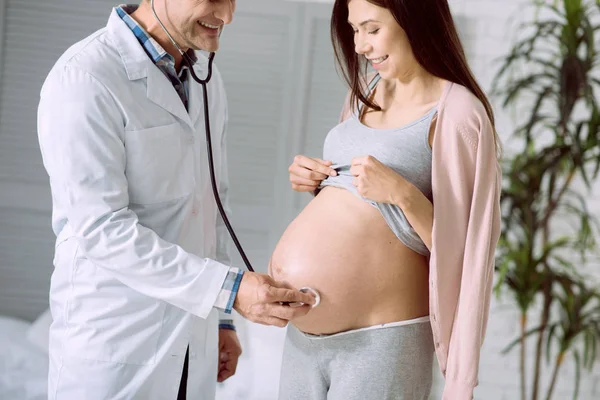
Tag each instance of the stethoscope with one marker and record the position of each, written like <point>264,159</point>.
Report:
<point>204,82</point>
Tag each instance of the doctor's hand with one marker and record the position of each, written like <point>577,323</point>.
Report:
<point>378,182</point>
<point>259,300</point>
<point>307,173</point>
<point>229,353</point>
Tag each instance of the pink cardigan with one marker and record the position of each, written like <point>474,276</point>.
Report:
<point>466,181</point>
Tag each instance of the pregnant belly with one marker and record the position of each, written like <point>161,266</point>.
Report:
<point>342,247</point>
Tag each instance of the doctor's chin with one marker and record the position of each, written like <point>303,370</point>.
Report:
<point>299,200</point>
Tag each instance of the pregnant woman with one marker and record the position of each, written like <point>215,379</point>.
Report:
<point>399,239</point>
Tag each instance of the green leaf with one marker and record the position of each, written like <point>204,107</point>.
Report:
<point>594,341</point>
<point>589,39</point>
<point>542,62</point>
<point>503,270</point>
<point>563,262</point>
<point>562,242</point>
<point>535,116</point>
<point>558,13</point>
<point>577,374</point>
<point>549,339</point>
<point>587,346</point>
<point>515,88</point>
<point>517,340</point>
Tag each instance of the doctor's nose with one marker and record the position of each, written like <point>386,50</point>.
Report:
<point>225,11</point>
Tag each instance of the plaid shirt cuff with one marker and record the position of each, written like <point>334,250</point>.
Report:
<point>226,324</point>
<point>229,290</point>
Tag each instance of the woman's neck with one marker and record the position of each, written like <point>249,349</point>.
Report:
<point>411,90</point>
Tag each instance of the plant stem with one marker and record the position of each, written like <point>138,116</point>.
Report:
<point>546,284</point>
<point>522,361</point>
<point>557,365</point>
<point>547,293</point>
<point>554,202</point>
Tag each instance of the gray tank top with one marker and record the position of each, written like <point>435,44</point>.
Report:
<point>406,150</point>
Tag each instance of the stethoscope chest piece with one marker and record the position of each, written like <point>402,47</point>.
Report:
<point>307,289</point>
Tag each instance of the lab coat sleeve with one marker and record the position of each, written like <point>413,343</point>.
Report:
<point>81,134</point>
<point>223,237</point>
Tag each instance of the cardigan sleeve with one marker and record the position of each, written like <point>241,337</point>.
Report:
<point>475,171</point>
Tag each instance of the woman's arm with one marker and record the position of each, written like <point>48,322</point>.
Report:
<point>380,183</point>
<point>418,211</point>
<point>417,208</point>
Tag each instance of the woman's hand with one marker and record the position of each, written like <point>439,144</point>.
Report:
<point>378,182</point>
<point>307,173</point>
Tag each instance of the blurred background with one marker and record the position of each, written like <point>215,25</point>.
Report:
<point>538,62</point>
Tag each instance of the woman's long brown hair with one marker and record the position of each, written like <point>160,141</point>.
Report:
<point>433,37</point>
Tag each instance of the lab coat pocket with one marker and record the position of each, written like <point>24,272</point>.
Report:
<point>109,321</point>
<point>160,164</point>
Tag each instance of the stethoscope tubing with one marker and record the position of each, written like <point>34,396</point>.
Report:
<point>204,83</point>
<point>215,190</point>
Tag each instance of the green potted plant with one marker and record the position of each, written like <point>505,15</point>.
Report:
<point>551,74</point>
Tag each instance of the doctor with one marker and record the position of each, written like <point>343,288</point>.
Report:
<point>142,271</point>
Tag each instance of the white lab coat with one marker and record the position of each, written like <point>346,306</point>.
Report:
<point>135,276</point>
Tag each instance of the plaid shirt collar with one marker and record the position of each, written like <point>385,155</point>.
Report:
<point>154,50</point>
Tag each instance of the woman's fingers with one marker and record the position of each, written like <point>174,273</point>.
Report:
<point>299,180</point>
<point>315,165</point>
<point>306,173</point>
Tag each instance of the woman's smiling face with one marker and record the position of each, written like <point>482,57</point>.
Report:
<point>379,38</point>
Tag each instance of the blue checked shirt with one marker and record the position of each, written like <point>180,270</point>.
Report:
<point>166,63</point>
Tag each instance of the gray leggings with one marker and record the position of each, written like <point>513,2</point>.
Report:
<point>383,362</point>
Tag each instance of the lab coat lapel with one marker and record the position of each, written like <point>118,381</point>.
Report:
<point>138,65</point>
<point>161,92</point>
